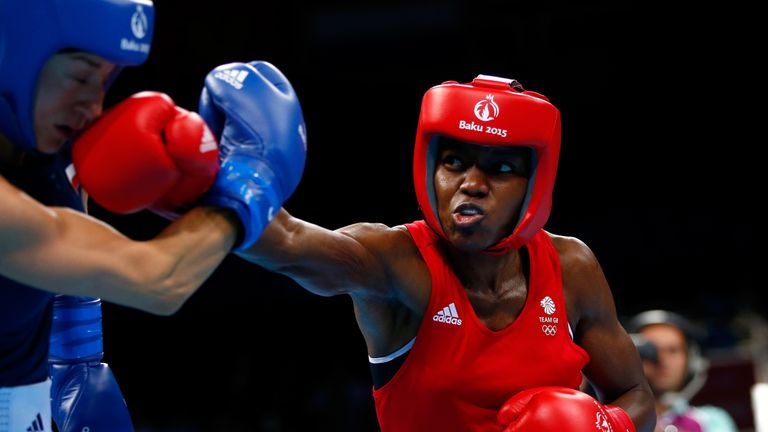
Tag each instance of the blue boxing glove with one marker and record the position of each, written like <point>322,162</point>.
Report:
<point>255,114</point>
<point>84,393</point>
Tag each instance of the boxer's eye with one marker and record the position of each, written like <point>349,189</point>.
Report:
<point>504,168</point>
<point>453,162</point>
<point>79,79</point>
<point>509,167</point>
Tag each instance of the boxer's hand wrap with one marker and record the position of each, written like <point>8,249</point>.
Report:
<point>84,392</point>
<point>561,409</point>
<point>254,112</point>
<point>146,152</point>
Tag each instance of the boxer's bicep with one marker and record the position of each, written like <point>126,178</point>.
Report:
<point>598,330</point>
<point>323,261</point>
<point>64,251</point>
<point>52,248</point>
<point>23,221</point>
<point>36,237</point>
<point>614,368</point>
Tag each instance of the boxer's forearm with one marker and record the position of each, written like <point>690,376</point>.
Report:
<point>637,402</point>
<point>192,248</point>
<point>159,275</point>
<point>324,262</point>
<point>64,251</point>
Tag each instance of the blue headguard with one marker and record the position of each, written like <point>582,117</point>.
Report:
<point>31,31</point>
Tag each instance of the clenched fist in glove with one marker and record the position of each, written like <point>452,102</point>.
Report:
<point>146,152</point>
<point>561,409</point>
<point>255,113</point>
<point>85,395</point>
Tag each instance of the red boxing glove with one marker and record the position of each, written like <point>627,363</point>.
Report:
<point>561,409</point>
<point>146,153</point>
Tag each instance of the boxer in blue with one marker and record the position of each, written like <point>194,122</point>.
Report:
<point>57,59</point>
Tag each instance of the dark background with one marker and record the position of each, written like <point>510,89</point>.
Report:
<point>658,175</point>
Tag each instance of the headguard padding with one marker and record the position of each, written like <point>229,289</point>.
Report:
<point>31,31</point>
<point>490,111</point>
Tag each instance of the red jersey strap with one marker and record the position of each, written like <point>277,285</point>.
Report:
<point>422,234</point>
<point>445,286</point>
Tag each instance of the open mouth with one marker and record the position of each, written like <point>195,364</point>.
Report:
<point>468,214</point>
<point>65,131</point>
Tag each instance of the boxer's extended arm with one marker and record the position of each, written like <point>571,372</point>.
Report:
<point>325,262</point>
<point>614,368</point>
<point>64,251</point>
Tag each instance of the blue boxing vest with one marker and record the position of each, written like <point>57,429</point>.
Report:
<point>25,312</point>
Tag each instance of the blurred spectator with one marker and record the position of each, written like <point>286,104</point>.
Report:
<point>676,371</point>
<point>752,330</point>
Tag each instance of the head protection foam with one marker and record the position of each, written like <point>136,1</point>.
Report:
<point>490,111</point>
<point>31,31</point>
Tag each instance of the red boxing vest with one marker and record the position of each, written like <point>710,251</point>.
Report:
<point>459,372</point>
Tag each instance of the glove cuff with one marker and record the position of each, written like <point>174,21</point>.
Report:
<point>76,330</point>
<point>620,418</point>
<point>246,186</point>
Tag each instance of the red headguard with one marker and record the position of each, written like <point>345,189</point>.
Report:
<point>490,111</point>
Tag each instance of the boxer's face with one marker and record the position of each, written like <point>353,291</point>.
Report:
<point>70,95</point>
<point>668,374</point>
<point>479,191</point>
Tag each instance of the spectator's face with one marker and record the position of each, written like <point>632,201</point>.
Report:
<point>70,95</point>
<point>670,371</point>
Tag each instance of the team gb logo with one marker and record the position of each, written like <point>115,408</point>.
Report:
<point>548,304</point>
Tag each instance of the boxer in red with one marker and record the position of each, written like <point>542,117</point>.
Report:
<point>476,319</point>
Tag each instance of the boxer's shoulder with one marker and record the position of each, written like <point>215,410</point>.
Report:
<point>573,252</point>
<point>395,249</point>
<point>393,246</point>
<point>583,281</point>
<point>379,238</point>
